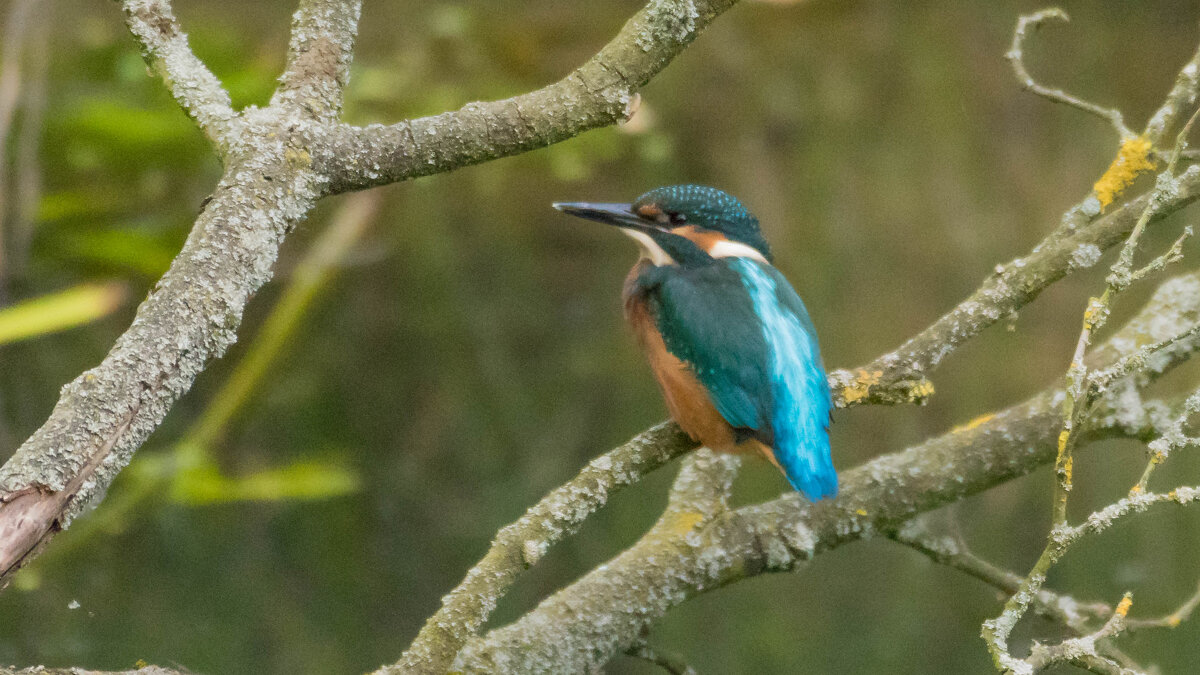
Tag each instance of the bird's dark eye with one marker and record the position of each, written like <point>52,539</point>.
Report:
<point>677,218</point>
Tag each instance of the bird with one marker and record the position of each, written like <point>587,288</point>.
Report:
<point>728,339</point>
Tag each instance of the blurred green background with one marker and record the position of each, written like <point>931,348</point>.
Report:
<point>469,354</point>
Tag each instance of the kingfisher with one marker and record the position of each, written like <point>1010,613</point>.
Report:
<point>728,339</point>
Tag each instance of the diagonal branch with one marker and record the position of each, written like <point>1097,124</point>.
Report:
<point>597,94</point>
<point>896,375</point>
<point>1014,286</point>
<point>1178,101</point>
<point>165,48</point>
<point>276,164</point>
<point>953,553</point>
<point>581,626</point>
<point>521,544</point>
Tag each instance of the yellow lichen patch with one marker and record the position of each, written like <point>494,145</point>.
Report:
<point>861,386</point>
<point>1132,159</point>
<point>1174,620</point>
<point>923,390</point>
<point>1068,470</point>
<point>1124,605</point>
<point>141,663</point>
<point>861,512</point>
<point>298,157</point>
<point>975,423</point>
<point>1062,441</point>
<point>1135,490</point>
<point>685,522</point>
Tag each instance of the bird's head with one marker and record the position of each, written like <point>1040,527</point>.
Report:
<point>682,224</point>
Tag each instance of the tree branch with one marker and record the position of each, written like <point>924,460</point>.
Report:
<point>1178,101</point>
<point>897,375</point>
<point>165,49</point>
<point>953,553</point>
<point>520,545</point>
<point>319,56</point>
<point>1075,408</point>
<point>279,161</point>
<point>596,94</point>
<point>583,625</point>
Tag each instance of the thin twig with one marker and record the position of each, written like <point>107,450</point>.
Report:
<point>1097,380</point>
<point>1075,409</point>
<point>1016,57</point>
<point>1081,651</point>
<point>1121,277</point>
<point>1171,439</point>
<point>1172,620</point>
<point>953,553</point>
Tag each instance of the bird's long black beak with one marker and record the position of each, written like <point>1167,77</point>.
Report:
<point>621,215</point>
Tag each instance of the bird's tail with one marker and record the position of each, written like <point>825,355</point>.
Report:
<point>809,466</point>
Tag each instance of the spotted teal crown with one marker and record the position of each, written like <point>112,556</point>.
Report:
<point>709,208</point>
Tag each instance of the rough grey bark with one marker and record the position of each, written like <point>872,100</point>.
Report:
<point>279,161</point>
<point>582,626</point>
<point>600,92</point>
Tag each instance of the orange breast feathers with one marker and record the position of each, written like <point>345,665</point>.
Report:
<point>687,400</point>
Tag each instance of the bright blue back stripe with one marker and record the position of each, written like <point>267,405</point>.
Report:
<point>800,416</point>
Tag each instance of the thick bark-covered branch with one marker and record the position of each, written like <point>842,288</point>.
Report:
<point>278,162</point>
<point>189,318</point>
<point>1012,287</point>
<point>521,544</point>
<point>598,93</point>
<point>193,312</point>
<point>195,88</point>
<point>583,625</point>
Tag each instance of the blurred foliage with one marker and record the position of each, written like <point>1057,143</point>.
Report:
<point>470,356</point>
<point>58,311</point>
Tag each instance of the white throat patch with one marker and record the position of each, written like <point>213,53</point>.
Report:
<point>650,250</point>
<point>733,249</point>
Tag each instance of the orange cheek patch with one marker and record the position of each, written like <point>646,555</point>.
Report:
<point>705,239</point>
